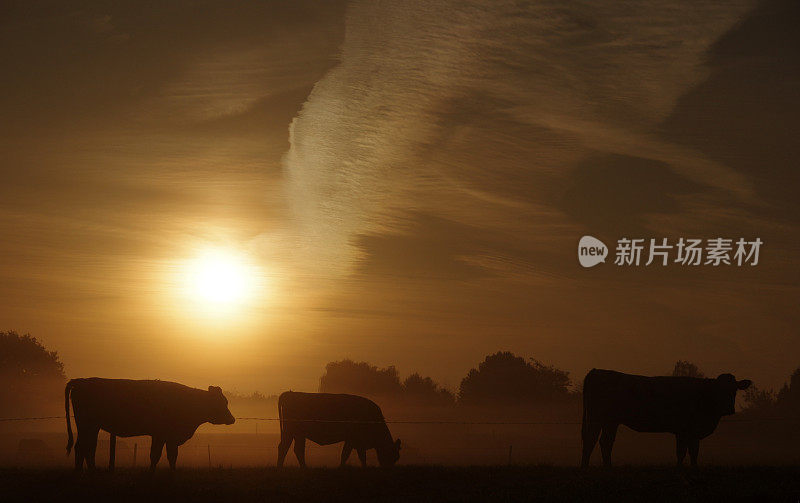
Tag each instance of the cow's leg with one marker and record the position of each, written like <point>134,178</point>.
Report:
<point>589,434</point>
<point>680,448</point>
<point>300,450</point>
<point>156,446</point>
<point>362,456</point>
<point>79,457</point>
<point>345,453</point>
<point>89,435</point>
<point>283,447</point>
<point>172,454</point>
<point>112,451</point>
<point>694,449</point>
<point>607,442</point>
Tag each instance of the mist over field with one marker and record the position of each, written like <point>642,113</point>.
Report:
<point>508,410</point>
<point>207,205</point>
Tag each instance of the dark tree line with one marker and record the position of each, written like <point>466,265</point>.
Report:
<point>758,401</point>
<point>504,379</point>
<point>768,403</point>
<point>501,379</point>
<point>33,379</point>
<point>362,378</point>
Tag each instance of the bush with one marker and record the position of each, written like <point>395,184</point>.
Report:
<point>506,379</point>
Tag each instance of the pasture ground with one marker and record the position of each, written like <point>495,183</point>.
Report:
<point>407,484</point>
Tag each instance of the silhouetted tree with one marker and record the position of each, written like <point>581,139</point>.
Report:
<point>788,398</point>
<point>687,369</point>
<point>31,375</point>
<point>784,403</point>
<point>383,384</point>
<point>359,378</point>
<point>758,400</point>
<point>24,359</point>
<point>506,379</point>
<point>424,391</point>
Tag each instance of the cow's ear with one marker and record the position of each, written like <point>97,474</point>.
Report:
<point>744,383</point>
<point>397,444</point>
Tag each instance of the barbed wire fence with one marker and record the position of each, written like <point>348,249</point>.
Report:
<point>422,421</point>
<point>500,449</point>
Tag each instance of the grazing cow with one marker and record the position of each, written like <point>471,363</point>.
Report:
<point>168,412</point>
<point>326,419</point>
<point>689,407</point>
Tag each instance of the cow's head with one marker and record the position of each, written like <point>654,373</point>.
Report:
<point>726,395</point>
<point>389,454</point>
<point>218,411</point>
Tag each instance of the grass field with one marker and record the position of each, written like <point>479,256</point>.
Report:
<point>408,484</point>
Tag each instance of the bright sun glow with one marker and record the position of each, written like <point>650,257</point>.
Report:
<point>220,279</point>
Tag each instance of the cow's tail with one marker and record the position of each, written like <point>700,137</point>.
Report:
<point>586,392</point>
<point>281,400</point>
<point>67,391</point>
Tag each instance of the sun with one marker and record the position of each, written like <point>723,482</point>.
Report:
<point>220,279</point>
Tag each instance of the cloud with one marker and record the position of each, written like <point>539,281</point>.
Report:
<point>483,115</point>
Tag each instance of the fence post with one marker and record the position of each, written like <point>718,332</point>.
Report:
<point>209,456</point>
<point>510,449</point>
<point>135,448</point>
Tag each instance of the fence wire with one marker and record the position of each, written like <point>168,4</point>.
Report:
<point>424,421</point>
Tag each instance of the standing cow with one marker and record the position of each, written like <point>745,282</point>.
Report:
<point>689,407</point>
<point>326,419</point>
<point>168,412</point>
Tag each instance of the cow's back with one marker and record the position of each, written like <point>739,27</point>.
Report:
<point>327,418</point>
<point>133,407</point>
<point>657,404</point>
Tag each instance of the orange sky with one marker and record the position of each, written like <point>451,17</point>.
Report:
<point>409,181</point>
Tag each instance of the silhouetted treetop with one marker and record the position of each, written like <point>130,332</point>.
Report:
<point>506,379</point>
<point>687,369</point>
<point>784,403</point>
<point>758,400</point>
<point>362,378</point>
<point>788,398</point>
<point>424,391</point>
<point>359,378</point>
<point>23,357</point>
<point>33,377</point>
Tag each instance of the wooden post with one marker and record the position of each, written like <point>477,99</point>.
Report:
<point>510,449</point>
<point>135,448</point>
<point>209,456</point>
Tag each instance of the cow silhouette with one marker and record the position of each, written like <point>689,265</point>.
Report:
<point>689,407</point>
<point>326,419</point>
<point>166,411</point>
